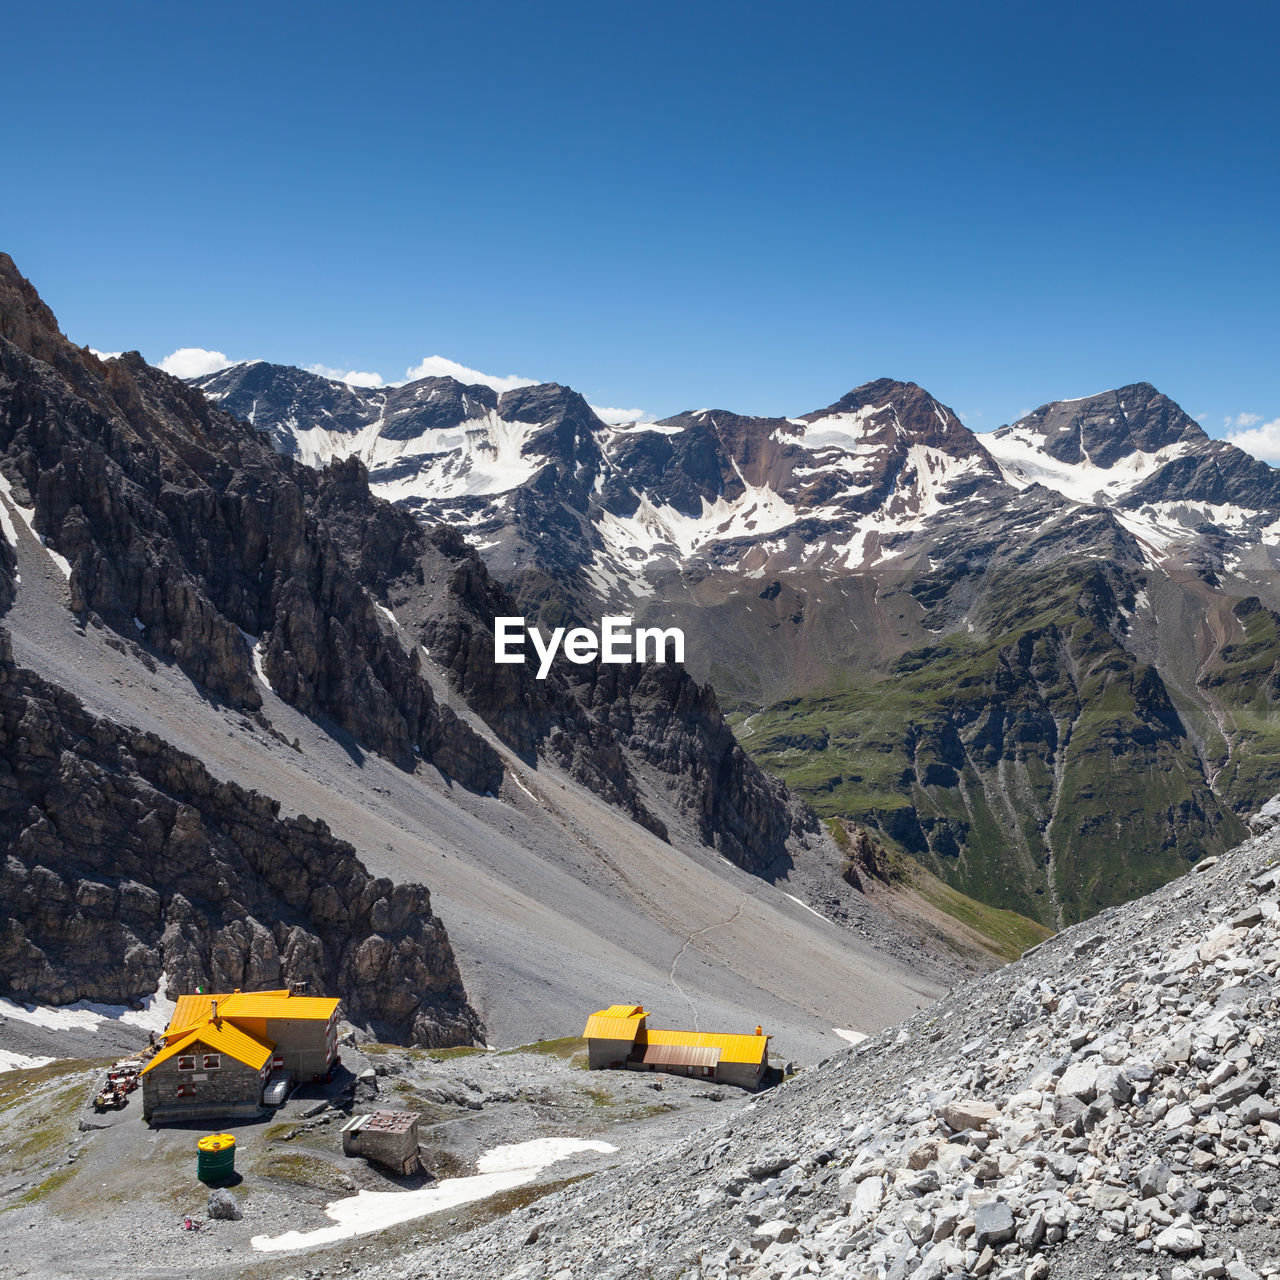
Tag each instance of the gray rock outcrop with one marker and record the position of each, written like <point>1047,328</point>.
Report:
<point>126,862</point>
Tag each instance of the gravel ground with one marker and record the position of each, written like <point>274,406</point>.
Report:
<point>1105,1106</point>
<point>109,1201</point>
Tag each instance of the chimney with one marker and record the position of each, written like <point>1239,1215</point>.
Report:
<point>759,1030</point>
<point>213,1012</point>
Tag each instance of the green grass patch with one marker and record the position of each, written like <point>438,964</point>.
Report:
<point>1029,759</point>
<point>18,1086</point>
<point>567,1048</point>
<point>458,1051</point>
<point>1008,933</point>
<point>46,1188</point>
<point>301,1170</point>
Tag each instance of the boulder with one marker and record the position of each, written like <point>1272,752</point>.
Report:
<point>223,1205</point>
<point>992,1223</point>
<point>969,1113</point>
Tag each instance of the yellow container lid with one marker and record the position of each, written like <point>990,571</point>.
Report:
<point>217,1142</point>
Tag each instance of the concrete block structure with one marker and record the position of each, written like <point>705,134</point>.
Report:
<point>388,1137</point>
<point>220,1050</point>
<point>620,1038</point>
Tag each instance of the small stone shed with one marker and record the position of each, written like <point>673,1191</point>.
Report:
<point>388,1137</point>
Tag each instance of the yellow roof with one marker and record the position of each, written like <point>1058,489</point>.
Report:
<point>195,1010</point>
<point>190,1011</point>
<point>617,1022</point>
<point>220,1037</point>
<point>277,1004</point>
<point>732,1048</point>
<point>622,1011</point>
<point>624,1022</point>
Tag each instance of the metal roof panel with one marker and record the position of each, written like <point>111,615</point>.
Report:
<point>221,1037</point>
<point>733,1048</point>
<point>601,1026</point>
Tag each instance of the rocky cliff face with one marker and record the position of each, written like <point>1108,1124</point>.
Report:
<point>621,730</point>
<point>184,525</point>
<point>675,726</point>
<point>1016,656</point>
<point>127,862</point>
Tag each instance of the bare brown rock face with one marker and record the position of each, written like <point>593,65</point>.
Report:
<point>665,718</point>
<point>127,860</point>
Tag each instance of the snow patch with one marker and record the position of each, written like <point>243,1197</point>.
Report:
<point>89,1015</point>
<point>10,1061</point>
<point>258,669</point>
<point>853,1037</point>
<point>806,906</point>
<point>28,515</point>
<point>10,533</point>
<point>480,457</point>
<point>500,1169</point>
<point>516,779</point>
<point>1020,455</point>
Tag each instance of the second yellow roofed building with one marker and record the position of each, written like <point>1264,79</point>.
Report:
<point>620,1038</point>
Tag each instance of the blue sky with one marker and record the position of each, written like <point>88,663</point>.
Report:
<point>749,206</point>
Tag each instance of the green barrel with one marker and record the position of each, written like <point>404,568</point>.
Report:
<point>215,1158</point>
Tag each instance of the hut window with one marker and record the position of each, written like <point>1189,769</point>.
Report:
<point>212,1061</point>
<point>187,1062</point>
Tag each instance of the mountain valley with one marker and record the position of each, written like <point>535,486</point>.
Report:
<point>268,627</point>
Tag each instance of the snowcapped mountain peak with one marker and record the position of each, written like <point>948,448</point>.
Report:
<point>1101,429</point>
<point>879,478</point>
<point>1137,452</point>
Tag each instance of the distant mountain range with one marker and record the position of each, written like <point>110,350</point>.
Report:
<point>1042,660</point>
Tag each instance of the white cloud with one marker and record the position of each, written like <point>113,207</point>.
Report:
<point>1242,420</point>
<point>194,362</point>
<point>352,377</point>
<point>1261,441</point>
<point>443,367</point>
<point>106,355</point>
<point>615,416</point>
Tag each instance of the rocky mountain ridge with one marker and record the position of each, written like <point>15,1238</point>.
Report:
<point>308,642</point>
<point>970,644</point>
<point>838,489</point>
<point>183,526</point>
